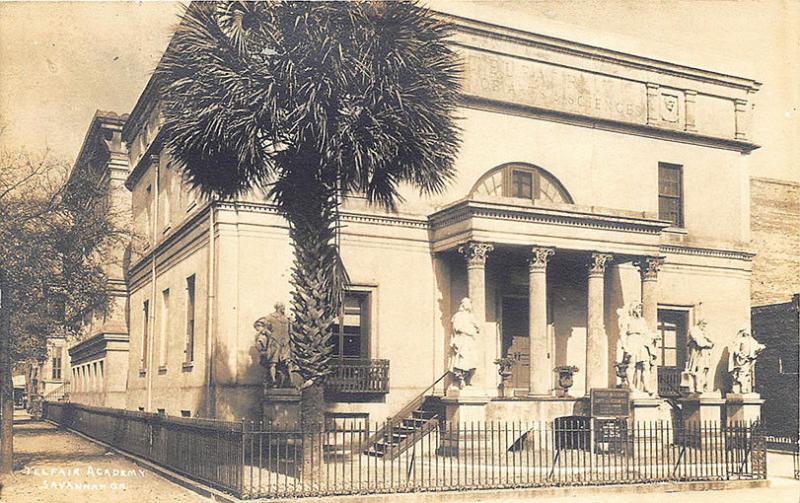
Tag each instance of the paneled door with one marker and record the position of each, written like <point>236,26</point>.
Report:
<point>516,343</point>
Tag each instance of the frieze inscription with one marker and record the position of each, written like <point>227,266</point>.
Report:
<point>531,83</point>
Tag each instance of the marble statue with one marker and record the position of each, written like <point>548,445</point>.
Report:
<point>699,362</point>
<point>464,344</point>
<point>623,365</point>
<point>743,355</point>
<point>636,351</point>
<point>272,342</point>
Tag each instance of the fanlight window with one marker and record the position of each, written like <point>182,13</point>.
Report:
<point>523,182</point>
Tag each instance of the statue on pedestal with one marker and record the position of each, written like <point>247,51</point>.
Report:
<point>743,355</point>
<point>272,342</point>
<point>464,344</point>
<point>699,361</point>
<point>636,351</point>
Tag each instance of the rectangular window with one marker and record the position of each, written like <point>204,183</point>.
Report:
<point>186,413</point>
<point>522,184</point>
<point>670,193</point>
<point>164,329</point>
<point>190,315</point>
<point>149,211</point>
<point>671,338</point>
<point>57,363</point>
<point>352,328</point>
<point>145,334</point>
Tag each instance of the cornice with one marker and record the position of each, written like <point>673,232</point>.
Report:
<point>475,27</point>
<point>347,216</point>
<point>707,252</point>
<point>468,209</point>
<point>144,161</point>
<point>180,232</point>
<point>95,345</point>
<point>644,130</point>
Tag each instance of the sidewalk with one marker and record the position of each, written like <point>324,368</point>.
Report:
<point>55,466</point>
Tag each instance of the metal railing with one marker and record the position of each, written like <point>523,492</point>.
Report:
<point>789,445</point>
<point>206,450</point>
<point>359,376</point>
<point>59,394</point>
<point>669,382</point>
<point>252,460</point>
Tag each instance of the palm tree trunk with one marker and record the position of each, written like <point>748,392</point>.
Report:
<point>314,305</point>
<point>6,386</point>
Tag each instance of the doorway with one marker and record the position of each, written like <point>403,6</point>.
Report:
<point>516,342</point>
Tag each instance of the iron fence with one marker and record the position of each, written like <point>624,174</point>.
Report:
<point>206,450</point>
<point>253,460</point>
<point>789,445</point>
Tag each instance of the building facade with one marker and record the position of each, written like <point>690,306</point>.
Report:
<point>588,179</point>
<point>99,360</point>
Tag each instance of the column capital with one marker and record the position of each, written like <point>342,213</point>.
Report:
<point>539,258</point>
<point>598,262</point>
<point>649,267</point>
<point>475,252</point>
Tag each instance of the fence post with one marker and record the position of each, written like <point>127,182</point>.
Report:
<point>242,441</point>
<point>759,450</point>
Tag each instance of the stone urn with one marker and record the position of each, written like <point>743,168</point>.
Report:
<point>565,380</point>
<point>504,369</point>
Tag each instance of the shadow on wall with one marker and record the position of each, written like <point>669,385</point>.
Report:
<point>722,378</point>
<point>614,300</point>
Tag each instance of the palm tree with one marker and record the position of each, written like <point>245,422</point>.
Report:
<point>312,101</point>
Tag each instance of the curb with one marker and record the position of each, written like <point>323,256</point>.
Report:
<point>466,495</point>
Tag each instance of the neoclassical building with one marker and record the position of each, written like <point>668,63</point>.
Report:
<point>588,179</point>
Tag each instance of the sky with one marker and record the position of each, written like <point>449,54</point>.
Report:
<point>61,61</point>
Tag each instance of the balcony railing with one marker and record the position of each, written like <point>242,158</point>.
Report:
<point>359,376</point>
<point>669,382</point>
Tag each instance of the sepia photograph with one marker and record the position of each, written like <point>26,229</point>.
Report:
<point>430,251</point>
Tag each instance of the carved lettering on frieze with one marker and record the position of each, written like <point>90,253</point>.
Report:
<point>541,85</point>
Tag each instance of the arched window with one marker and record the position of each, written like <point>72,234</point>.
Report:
<point>523,181</point>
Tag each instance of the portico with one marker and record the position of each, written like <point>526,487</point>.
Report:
<point>537,275</point>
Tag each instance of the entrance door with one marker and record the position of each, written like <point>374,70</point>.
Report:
<point>516,343</point>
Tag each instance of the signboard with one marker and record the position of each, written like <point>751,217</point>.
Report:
<point>610,402</point>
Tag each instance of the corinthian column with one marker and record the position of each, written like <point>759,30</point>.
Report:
<point>648,270</point>
<point>540,367</point>
<point>476,254</point>
<point>596,340</point>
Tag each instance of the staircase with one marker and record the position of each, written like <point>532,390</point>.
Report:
<point>416,420</point>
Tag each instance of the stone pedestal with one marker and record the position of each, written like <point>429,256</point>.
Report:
<point>281,407</point>
<point>465,409</point>
<point>702,418</point>
<point>702,409</point>
<point>743,407</point>
<point>651,420</point>
<point>650,410</point>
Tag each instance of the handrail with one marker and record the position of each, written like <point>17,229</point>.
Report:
<point>405,411</point>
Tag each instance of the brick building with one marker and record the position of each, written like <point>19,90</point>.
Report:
<point>778,327</point>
